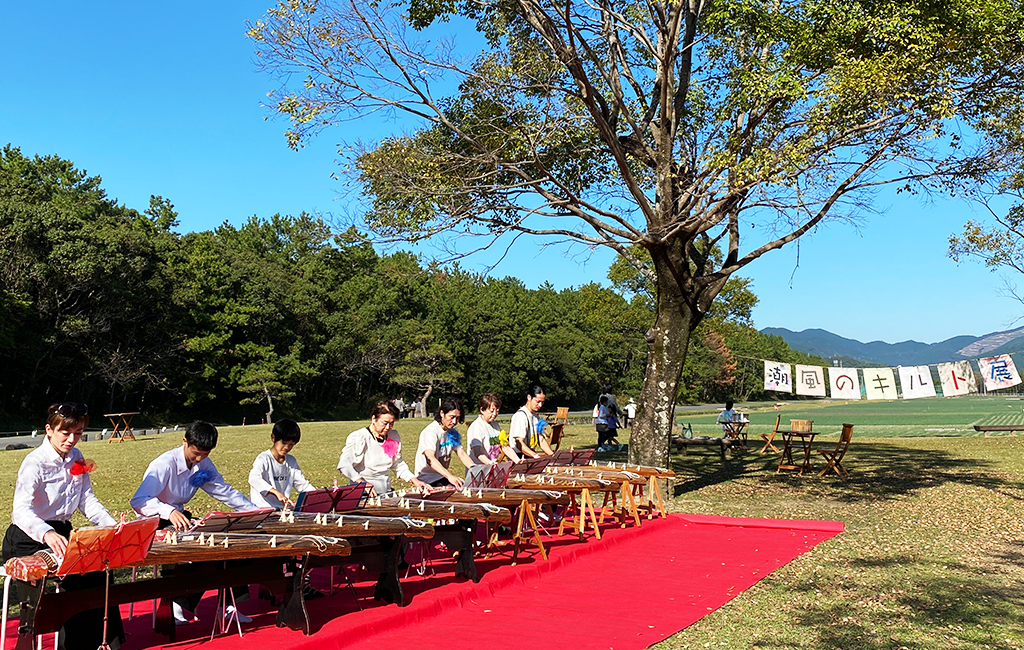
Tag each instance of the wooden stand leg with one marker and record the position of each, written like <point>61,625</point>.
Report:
<point>587,502</point>
<point>533,526</point>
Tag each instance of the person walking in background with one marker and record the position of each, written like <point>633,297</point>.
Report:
<point>613,405</point>
<point>627,421</point>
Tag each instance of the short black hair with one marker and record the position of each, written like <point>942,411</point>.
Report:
<point>728,404</point>
<point>286,430</point>
<point>201,435</point>
<point>604,399</point>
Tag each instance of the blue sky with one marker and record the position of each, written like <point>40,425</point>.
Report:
<point>165,99</point>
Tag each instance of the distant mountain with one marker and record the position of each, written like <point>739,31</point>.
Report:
<point>908,353</point>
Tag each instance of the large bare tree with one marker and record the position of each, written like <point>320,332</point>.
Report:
<point>709,133</point>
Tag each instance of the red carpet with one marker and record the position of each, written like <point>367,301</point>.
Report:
<point>631,589</point>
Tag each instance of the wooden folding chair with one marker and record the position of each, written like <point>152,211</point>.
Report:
<point>561,415</point>
<point>835,456</point>
<point>769,438</point>
<point>556,435</point>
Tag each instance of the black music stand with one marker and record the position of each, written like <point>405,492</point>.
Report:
<point>102,548</point>
<point>222,522</point>
<point>332,499</point>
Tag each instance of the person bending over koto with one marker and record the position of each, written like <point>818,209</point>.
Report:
<point>524,424</point>
<point>438,441</point>
<point>372,453</point>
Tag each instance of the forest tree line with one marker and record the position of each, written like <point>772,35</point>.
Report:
<point>108,305</point>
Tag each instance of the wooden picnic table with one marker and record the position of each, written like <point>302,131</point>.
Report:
<point>122,425</point>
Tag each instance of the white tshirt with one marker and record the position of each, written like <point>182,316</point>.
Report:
<point>479,434</point>
<point>267,473</point>
<point>434,438</point>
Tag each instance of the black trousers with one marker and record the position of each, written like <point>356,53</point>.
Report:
<point>84,630</point>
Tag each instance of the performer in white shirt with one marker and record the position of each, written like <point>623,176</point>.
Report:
<point>524,424</point>
<point>275,471</point>
<point>438,441</point>
<point>480,432</point>
<point>372,453</point>
<point>172,480</point>
<point>53,482</point>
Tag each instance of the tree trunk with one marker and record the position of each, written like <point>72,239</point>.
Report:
<point>270,406</point>
<point>424,404</point>
<point>667,343</point>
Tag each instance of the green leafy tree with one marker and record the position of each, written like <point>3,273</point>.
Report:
<point>676,126</point>
<point>269,377</point>
<point>428,366</point>
<point>84,286</point>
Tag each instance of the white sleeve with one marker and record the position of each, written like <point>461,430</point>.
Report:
<point>519,427</point>
<point>355,448</point>
<point>401,468</point>
<point>258,482</point>
<point>23,516</point>
<point>146,501</point>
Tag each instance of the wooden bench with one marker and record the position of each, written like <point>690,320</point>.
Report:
<point>998,427</point>
<point>679,443</point>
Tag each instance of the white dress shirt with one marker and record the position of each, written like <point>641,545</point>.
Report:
<point>267,474</point>
<point>167,486</point>
<point>363,458</point>
<point>46,490</point>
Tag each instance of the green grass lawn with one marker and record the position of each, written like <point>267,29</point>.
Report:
<point>932,556</point>
<point>921,417</point>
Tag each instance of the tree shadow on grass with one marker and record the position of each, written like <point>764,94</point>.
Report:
<point>970,610</point>
<point>876,471</point>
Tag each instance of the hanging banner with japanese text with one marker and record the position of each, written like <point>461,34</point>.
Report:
<point>879,383</point>
<point>998,372</point>
<point>777,377</point>
<point>843,383</point>
<point>957,378</point>
<point>810,380</point>
<point>916,381</point>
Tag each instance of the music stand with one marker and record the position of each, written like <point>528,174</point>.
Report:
<point>332,499</point>
<point>102,548</point>
<point>499,474</point>
<point>222,522</point>
<point>531,465</point>
<point>582,457</point>
<point>477,476</point>
<point>562,457</point>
